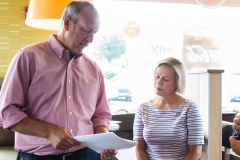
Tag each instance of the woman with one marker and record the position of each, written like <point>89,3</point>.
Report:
<point>168,126</point>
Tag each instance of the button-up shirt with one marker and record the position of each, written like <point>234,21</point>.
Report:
<point>42,82</point>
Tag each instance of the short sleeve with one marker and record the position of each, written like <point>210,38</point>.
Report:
<point>138,125</point>
<point>195,126</point>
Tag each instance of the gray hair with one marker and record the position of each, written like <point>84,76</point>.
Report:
<point>179,72</point>
<point>74,8</point>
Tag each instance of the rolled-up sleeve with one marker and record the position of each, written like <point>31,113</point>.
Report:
<point>14,91</point>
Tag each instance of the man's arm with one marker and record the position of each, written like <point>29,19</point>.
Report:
<point>235,144</point>
<point>100,129</point>
<point>59,138</point>
<point>107,153</point>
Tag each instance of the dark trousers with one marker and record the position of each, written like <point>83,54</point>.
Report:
<point>82,154</point>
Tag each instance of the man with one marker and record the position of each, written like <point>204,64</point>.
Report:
<point>52,92</point>
<point>235,139</point>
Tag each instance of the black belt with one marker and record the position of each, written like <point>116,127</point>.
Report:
<point>73,155</point>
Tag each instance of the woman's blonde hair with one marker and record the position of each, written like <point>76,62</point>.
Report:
<point>179,72</point>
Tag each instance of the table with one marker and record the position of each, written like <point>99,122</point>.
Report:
<point>228,116</point>
<point>8,153</point>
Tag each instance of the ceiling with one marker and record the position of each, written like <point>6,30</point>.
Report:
<point>205,3</point>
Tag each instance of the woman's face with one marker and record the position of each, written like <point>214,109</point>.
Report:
<point>164,81</point>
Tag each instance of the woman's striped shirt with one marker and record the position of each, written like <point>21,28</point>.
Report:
<point>168,133</point>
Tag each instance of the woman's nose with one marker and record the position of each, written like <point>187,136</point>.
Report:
<point>159,81</point>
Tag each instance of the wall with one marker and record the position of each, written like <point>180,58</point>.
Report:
<point>1,80</point>
<point>207,94</point>
<point>14,34</point>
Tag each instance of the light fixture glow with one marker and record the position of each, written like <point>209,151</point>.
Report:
<point>210,3</point>
<point>46,14</point>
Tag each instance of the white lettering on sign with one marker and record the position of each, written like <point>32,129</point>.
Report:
<point>197,53</point>
<point>161,49</point>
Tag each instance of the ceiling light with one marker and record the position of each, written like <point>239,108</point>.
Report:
<point>46,14</point>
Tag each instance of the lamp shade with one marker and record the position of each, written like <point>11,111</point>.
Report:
<point>210,3</point>
<point>46,14</point>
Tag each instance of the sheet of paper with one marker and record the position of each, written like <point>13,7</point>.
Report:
<point>110,140</point>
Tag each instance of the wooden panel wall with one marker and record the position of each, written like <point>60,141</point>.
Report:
<point>14,34</point>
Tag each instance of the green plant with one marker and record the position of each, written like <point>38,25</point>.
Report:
<point>112,47</point>
<point>109,74</point>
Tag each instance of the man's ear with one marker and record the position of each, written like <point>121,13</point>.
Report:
<point>66,23</point>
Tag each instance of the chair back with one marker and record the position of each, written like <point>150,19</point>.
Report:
<point>6,138</point>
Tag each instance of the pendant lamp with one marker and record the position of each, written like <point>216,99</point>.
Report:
<point>46,14</point>
<point>210,3</point>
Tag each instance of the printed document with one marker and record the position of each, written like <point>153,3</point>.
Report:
<point>109,140</point>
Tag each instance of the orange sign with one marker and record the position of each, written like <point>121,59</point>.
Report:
<point>131,29</point>
<point>210,3</point>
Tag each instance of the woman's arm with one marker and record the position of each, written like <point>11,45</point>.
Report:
<point>194,153</point>
<point>140,150</point>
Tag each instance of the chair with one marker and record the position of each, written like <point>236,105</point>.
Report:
<point>126,126</point>
<point>7,145</point>
<point>6,138</point>
<point>227,131</point>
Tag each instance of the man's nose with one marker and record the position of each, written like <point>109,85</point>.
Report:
<point>90,37</point>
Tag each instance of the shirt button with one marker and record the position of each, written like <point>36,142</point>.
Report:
<point>69,96</point>
<point>70,148</point>
<point>70,130</point>
<point>70,112</point>
<point>69,80</point>
<point>60,57</point>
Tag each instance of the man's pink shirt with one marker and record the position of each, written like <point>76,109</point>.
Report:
<point>44,84</point>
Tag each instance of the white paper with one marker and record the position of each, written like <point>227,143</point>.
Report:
<point>109,140</point>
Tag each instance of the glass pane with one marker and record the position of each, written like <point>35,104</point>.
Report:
<point>134,36</point>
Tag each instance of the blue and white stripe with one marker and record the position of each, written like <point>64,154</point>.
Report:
<point>168,133</point>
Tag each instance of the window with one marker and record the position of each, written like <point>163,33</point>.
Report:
<point>137,35</point>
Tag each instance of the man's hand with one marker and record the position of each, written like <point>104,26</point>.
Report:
<point>61,139</point>
<point>107,154</point>
<point>235,144</point>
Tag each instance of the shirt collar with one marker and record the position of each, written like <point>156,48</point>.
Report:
<point>58,48</point>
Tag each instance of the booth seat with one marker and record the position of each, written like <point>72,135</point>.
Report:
<point>227,153</point>
<point>7,151</point>
<point>227,131</point>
